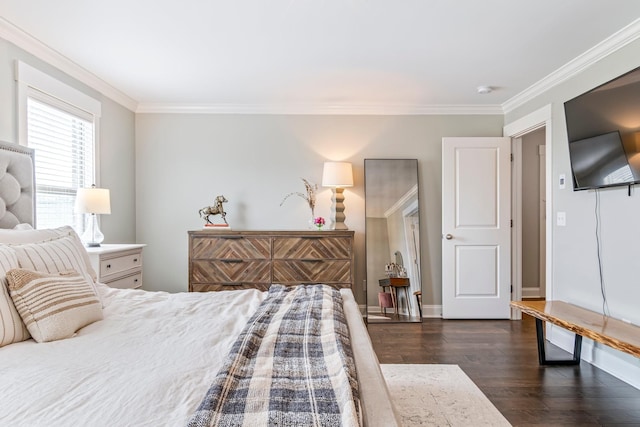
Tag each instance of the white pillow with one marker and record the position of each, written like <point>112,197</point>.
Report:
<point>23,226</point>
<point>53,306</point>
<point>54,256</point>
<point>14,237</point>
<point>12,328</point>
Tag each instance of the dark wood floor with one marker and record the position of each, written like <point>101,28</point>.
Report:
<point>500,356</point>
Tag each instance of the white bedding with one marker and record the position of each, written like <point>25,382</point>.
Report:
<point>148,363</point>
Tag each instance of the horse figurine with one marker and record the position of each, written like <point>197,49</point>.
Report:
<point>216,209</point>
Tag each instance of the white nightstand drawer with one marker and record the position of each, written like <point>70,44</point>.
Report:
<point>120,263</point>
<point>127,282</point>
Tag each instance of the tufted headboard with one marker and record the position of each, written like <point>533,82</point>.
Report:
<point>17,185</point>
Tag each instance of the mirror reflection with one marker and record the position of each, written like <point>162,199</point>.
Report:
<point>392,240</point>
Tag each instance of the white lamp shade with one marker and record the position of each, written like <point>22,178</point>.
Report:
<point>337,174</point>
<point>93,200</point>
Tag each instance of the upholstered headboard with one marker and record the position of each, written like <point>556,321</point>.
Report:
<point>17,185</point>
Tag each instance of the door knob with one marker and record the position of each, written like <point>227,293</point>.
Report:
<point>448,237</point>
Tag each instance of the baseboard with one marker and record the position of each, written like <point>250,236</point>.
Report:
<point>621,365</point>
<point>427,310</point>
<point>531,292</point>
<point>432,311</point>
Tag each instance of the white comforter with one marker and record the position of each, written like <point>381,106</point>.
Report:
<point>148,363</point>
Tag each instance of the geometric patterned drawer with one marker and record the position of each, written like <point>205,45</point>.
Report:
<point>231,271</point>
<point>316,247</point>
<point>312,271</point>
<point>231,248</point>
<point>214,287</point>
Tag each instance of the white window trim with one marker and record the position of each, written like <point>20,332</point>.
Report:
<point>29,78</point>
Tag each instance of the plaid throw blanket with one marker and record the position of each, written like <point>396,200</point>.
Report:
<point>292,365</point>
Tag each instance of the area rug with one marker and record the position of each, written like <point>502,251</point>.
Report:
<point>439,395</point>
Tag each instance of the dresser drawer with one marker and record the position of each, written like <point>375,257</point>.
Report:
<point>120,263</point>
<point>312,247</point>
<point>127,282</point>
<point>312,271</point>
<point>231,247</point>
<point>230,270</point>
<point>214,287</point>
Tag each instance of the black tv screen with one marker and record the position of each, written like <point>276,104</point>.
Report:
<point>603,126</point>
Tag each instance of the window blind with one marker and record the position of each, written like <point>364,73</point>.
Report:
<point>63,137</point>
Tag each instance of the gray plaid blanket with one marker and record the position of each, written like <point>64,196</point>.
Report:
<point>292,365</point>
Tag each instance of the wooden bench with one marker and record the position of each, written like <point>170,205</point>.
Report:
<point>584,323</point>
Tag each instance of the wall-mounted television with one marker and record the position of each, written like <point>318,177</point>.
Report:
<point>603,126</point>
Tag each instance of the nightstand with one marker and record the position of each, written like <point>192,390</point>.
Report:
<point>119,266</point>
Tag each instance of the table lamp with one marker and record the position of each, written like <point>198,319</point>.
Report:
<point>94,201</point>
<point>337,175</point>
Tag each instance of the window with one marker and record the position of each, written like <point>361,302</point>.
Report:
<point>64,143</point>
<point>60,124</point>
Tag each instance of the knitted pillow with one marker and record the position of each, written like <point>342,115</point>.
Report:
<point>53,306</point>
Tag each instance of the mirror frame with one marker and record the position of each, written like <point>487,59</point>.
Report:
<point>409,202</point>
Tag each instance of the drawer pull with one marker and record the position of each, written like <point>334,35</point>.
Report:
<point>311,260</point>
<point>311,237</point>
<point>135,260</point>
<point>108,265</point>
<point>231,237</point>
<point>232,260</point>
<point>135,280</point>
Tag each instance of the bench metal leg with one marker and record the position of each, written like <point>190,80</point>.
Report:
<point>542,358</point>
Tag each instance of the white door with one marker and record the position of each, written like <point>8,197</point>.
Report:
<point>476,235</point>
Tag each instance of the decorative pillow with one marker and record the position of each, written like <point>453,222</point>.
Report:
<point>54,256</point>
<point>19,237</point>
<point>12,328</point>
<point>53,306</point>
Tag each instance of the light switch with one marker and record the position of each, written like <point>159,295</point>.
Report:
<point>561,219</point>
<point>562,181</point>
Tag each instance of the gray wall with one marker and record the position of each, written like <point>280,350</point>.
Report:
<point>575,266</point>
<point>184,160</point>
<point>116,139</point>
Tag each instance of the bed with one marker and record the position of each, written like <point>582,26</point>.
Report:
<point>152,356</point>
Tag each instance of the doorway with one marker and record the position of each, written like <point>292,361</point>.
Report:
<point>529,212</point>
<point>539,119</point>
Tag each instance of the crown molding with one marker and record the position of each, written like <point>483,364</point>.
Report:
<point>609,45</point>
<point>320,109</point>
<point>30,44</point>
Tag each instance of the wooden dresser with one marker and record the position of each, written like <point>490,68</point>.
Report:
<point>224,260</point>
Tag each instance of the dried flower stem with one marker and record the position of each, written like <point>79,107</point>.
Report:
<point>309,197</point>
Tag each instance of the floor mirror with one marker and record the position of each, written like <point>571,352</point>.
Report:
<point>392,240</point>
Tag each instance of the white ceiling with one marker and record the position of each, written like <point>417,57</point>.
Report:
<point>300,55</point>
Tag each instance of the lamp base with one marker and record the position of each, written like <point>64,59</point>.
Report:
<point>92,237</point>
<point>337,209</point>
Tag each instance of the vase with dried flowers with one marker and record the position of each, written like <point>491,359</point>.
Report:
<point>309,196</point>
<point>319,222</point>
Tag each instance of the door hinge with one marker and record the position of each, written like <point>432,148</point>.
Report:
<point>512,157</point>
<point>511,288</point>
<point>511,221</point>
